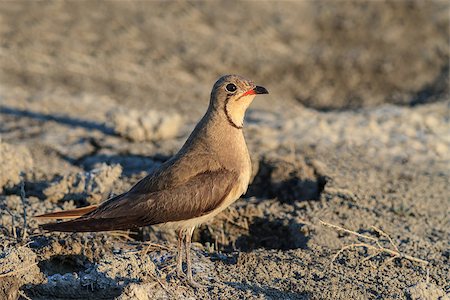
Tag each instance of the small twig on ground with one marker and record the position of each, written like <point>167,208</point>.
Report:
<point>381,232</point>
<point>389,260</point>
<point>377,247</point>
<point>348,231</point>
<point>122,234</point>
<point>22,294</point>
<point>150,245</point>
<point>23,199</point>
<point>12,222</point>
<point>171,268</point>
<point>17,270</point>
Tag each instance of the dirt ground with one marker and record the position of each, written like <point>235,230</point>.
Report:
<point>350,197</point>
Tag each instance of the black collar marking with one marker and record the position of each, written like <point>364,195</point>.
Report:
<point>228,116</point>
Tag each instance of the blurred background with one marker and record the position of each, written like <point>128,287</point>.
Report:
<point>328,55</point>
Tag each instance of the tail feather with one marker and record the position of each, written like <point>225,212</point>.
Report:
<point>68,214</point>
<point>86,220</point>
<point>91,225</point>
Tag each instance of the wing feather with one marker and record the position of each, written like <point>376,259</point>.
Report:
<point>195,197</point>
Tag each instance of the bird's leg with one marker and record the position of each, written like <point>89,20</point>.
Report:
<point>190,279</point>
<point>180,253</point>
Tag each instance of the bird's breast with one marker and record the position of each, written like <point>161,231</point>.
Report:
<point>246,173</point>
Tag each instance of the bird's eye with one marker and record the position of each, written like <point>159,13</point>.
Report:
<point>231,88</point>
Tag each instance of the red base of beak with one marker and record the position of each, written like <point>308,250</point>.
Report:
<point>250,92</point>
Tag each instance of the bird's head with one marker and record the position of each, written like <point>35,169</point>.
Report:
<point>231,95</point>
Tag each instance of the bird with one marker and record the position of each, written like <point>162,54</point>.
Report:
<point>211,171</point>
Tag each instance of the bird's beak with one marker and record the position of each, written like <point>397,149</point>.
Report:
<point>256,90</point>
<point>260,90</point>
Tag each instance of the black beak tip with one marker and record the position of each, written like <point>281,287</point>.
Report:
<point>260,90</point>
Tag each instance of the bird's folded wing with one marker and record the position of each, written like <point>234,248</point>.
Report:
<point>199,195</point>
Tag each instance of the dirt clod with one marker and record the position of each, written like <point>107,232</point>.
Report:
<point>20,262</point>
<point>145,125</point>
<point>13,161</point>
<point>9,288</point>
<point>90,186</point>
<point>425,291</point>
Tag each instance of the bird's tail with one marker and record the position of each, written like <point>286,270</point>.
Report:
<point>83,220</point>
<point>66,214</point>
<point>83,225</point>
